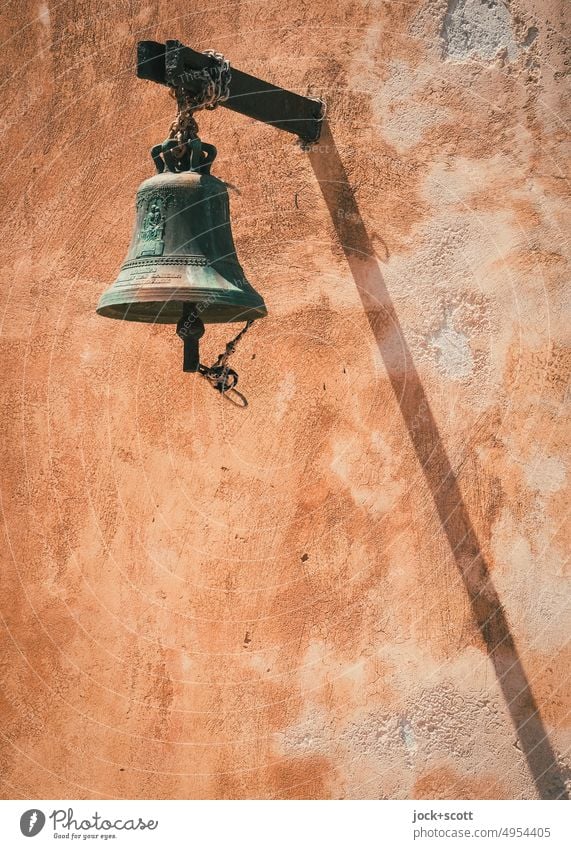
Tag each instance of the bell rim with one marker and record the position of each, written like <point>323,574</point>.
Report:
<point>159,308</point>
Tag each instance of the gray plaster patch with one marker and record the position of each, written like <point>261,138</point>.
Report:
<point>407,735</point>
<point>311,735</point>
<point>440,714</point>
<point>454,357</point>
<point>478,29</point>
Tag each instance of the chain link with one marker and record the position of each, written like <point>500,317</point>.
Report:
<point>222,377</point>
<point>214,88</point>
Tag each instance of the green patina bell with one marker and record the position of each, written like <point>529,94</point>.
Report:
<point>182,253</point>
<point>182,267</point>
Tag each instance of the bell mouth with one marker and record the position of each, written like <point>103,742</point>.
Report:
<point>211,310</point>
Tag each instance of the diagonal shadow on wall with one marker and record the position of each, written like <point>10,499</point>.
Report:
<point>486,606</point>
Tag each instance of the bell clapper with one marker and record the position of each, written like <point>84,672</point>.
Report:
<point>190,329</point>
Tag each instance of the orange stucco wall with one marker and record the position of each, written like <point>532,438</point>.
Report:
<point>355,587</point>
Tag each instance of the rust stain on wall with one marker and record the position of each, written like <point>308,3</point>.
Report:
<point>280,602</point>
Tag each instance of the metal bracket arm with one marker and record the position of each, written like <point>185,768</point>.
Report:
<point>168,64</point>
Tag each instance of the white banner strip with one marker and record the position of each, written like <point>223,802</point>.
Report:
<point>286,824</point>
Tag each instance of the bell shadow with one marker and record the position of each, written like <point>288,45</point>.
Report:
<point>487,609</point>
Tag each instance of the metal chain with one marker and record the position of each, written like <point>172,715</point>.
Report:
<point>222,377</point>
<point>214,88</point>
<point>184,127</point>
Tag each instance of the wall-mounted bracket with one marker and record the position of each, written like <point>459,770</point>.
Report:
<point>169,64</point>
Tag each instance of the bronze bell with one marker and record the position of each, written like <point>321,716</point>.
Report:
<point>182,267</point>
